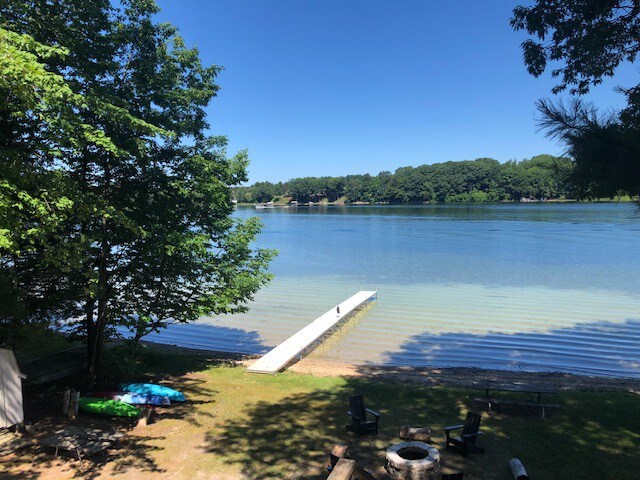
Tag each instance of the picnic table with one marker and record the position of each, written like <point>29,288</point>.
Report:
<point>534,394</point>
<point>81,440</point>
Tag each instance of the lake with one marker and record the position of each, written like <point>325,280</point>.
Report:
<point>532,287</point>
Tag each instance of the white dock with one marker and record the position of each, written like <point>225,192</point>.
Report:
<point>280,356</point>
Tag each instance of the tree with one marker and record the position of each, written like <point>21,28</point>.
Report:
<point>589,39</point>
<point>302,189</point>
<point>151,233</point>
<point>605,148</point>
<point>38,123</point>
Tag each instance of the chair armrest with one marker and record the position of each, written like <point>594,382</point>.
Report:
<point>453,427</point>
<point>471,435</point>
<point>372,412</point>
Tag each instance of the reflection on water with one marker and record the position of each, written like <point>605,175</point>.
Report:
<point>532,287</point>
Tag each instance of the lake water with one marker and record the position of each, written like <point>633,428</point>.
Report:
<point>535,287</point>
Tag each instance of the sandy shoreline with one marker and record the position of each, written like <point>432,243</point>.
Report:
<point>430,376</point>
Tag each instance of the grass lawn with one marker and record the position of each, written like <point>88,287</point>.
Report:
<point>241,425</point>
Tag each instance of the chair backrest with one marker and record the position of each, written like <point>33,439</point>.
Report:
<point>356,406</point>
<point>472,423</point>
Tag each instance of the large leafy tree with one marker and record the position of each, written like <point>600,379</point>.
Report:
<point>149,239</point>
<point>37,123</point>
<point>585,41</point>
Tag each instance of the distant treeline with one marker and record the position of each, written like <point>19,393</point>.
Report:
<point>481,180</point>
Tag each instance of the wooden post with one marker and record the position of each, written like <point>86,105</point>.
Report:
<point>73,403</point>
<point>517,469</point>
<point>145,417</point>
<point>76,403</point>
<point>66,397</point>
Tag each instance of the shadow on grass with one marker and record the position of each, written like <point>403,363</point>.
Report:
<point>137,451</point>
<point>133,452</point>
<point>283,427</point>
<point>593,435</point>
<point>292,437</point>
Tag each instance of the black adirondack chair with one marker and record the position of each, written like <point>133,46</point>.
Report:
<point>360,423</point>
<point>470,433</point>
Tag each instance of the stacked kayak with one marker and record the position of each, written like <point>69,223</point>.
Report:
<point>134,398</point>
<point>105,406</point>
<point>123,403</point>
<point>153,389</point>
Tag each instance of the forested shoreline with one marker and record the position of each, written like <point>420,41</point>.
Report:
<point>470,181</point>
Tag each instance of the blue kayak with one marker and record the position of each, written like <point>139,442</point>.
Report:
<point>153,389</point>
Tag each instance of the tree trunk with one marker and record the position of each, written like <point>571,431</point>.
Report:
<point>90,328</point>
<point>95,330</point>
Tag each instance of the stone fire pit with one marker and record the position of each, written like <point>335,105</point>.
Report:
<point>413,461</point>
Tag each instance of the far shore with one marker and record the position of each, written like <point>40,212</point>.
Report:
<point>429,376</point>
<point>511,202</point>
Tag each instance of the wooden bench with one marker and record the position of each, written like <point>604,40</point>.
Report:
<point>348,469</point>
<point>534,391</point>
<point>81,440</point>
<point>507,401</point>
<point>343,468</point>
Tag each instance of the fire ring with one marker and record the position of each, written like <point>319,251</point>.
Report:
<point>413,461</point>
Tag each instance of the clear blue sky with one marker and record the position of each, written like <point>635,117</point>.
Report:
<point>336,87</point>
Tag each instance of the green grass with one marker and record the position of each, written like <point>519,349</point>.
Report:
<point>242,425</point>
<point>283,426</point>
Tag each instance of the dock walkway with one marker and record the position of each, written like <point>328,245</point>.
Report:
<point>280,356</point>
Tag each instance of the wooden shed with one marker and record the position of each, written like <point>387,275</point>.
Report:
<point>11,412</point>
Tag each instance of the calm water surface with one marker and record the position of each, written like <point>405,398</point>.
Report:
<point>532,287</point>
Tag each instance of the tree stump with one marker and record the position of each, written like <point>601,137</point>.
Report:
<point>419,434</point>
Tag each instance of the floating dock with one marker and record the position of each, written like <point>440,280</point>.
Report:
<point>280,356</point>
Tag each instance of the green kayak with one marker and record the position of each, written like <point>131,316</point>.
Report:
<point>103,406</point>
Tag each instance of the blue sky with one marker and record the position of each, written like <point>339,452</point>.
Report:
<point>337,87</point>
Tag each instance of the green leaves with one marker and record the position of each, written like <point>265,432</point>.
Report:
<point>114,202</point>
<point>587,40</point>
<point>590,38</point>
<point>480,180</point>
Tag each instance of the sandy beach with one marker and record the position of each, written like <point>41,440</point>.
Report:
<point>429,376</point>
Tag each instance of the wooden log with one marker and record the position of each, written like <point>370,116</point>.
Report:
<point>419,434</point>
<point>343,470</point>
<point>338,451</point>
<point>517,469</point>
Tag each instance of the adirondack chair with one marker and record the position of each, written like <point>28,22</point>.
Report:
<point>359,422</point>
<point>470,433</point>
